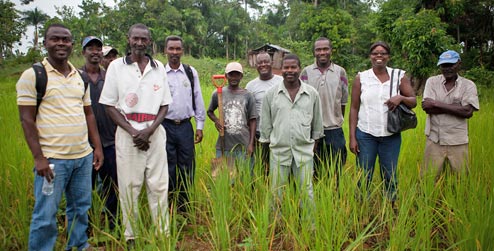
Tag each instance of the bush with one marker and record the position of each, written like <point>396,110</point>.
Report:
<point>479,75</point>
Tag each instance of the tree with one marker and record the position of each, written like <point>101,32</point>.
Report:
<point>10,25</point>
<point>35,18</point>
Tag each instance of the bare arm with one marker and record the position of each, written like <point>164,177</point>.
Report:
<point>407,95</point>
<point>252,136</point>
<point>431,106</point>
<point>28,122</point>
<point>354,110</point>
<point>98,157</point>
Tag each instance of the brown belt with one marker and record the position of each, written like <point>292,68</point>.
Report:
<point>177,121</point>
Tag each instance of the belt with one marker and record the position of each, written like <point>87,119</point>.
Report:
<point>140,117</point>
<point>177,121</point>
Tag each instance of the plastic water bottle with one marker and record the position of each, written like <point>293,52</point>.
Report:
<point>47,188</point>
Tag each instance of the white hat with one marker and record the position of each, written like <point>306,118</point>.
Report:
<point>107,49</point>
<point>234,66</point>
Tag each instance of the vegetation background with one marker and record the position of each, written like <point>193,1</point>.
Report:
<point>454,214</point>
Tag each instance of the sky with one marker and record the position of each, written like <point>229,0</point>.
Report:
<point>48,7</point>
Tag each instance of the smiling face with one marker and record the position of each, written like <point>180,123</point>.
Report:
<point>322,52</point>
<point>93,52</point>
<point>264,66</point>
<point>290,70</point>
<point>58,43</point>
<point>174,51</point>
<point>379,57</point>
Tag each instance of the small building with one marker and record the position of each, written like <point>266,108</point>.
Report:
<point>276,52</point>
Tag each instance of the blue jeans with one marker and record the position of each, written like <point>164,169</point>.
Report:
<point>73,177</point>
<point>388,150</point>
<point>331,151</point>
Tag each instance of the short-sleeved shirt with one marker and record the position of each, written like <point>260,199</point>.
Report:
<point>373,112</point>
<point>106,126</point>
<point>138,96</point>
<point>291,128</point>
<point>258,88</point>
<point>61,121</point>
<point>332,86</point>
<point>447,129</point>
<point>181,89</point>
<point>238,109</point>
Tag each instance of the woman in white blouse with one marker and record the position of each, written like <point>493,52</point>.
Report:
<point>370,103</point>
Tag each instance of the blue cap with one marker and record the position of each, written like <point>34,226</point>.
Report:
<point>449,57</point>
<point>89,39</point>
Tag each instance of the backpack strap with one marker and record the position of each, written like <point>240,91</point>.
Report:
<point>190,76</point>
<point>41,81</point>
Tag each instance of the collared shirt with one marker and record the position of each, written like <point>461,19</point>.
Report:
<point>373,113</point>
<point>61,121</point>
<point>332,86</point>
<point>447,129</point>
<point>106,126</point>
<point>258,88</point>
<point>291,128</point>
<point>181,91</point>
<point>133,92</point>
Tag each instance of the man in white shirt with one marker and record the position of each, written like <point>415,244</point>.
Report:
<point>136,95</point>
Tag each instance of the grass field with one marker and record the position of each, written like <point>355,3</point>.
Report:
<point>453,214</point>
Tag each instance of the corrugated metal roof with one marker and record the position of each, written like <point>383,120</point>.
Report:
<point>271,47</point>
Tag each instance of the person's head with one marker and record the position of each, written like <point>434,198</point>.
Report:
<point>379,54</point>
<point>58,42</point>
<point>174,50</point>
<point>322,51</point>
<point>290,68</point>
<point>109,54</point>
<point>449,63</point>
<point>234,73</point>
<point>264,65</point>
<point>139,38</point>
<point>92,50</point>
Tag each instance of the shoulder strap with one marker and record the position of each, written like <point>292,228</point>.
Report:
<point>41,81</point>
<point>190,75</point>
<point>391,81</point>
<point>85,78</point>
<point>398,84</point>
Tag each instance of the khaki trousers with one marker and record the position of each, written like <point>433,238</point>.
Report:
<point>135,168</point>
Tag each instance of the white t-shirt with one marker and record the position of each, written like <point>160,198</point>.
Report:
<point>134,93</point>
<point>258,88</point>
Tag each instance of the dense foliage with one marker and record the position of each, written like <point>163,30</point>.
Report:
<point>418,30</point>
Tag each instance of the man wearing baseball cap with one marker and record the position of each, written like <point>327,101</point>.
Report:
<point>449,100</point>
<point>239,108</point>
<point>109,54</point>
<point>95,76</point>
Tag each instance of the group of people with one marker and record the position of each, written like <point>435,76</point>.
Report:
<point>129,120</point>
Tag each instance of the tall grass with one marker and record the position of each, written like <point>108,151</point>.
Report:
<point>452,214</point>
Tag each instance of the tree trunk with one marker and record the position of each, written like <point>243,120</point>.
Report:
<point>226,44</point>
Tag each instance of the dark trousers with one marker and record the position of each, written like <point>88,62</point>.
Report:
<point>181,163</point>
<point>331,152</point>
<point>109,183</point>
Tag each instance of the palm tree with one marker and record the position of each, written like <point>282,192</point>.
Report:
<point>35,18</point>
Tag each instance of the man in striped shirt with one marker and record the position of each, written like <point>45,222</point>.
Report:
<point>57,133</point>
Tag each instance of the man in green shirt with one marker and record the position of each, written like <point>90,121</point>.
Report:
<point>291,122</point>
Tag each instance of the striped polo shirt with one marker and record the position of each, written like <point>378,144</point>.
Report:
<point>61,121</point>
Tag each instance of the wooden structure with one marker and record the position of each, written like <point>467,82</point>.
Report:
<point>276,52</point>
